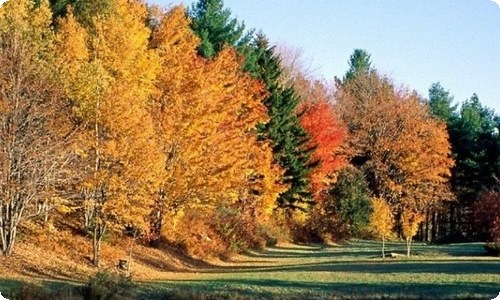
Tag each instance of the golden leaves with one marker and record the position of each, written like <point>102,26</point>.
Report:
<point>109,77</point>
<point>207,111</point>
<point>381,219</point>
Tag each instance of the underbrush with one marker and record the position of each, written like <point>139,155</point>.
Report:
<point>222,232</point>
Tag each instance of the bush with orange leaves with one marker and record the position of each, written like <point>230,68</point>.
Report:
<point>220,232</point>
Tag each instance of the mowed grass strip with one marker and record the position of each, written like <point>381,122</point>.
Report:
<point>351,271</point>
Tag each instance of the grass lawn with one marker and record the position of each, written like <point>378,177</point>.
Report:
<point>351,271</point>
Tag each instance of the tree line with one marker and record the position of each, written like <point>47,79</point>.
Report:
<point>181,126</point>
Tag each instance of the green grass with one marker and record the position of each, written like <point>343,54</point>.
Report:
<point>351,271</point>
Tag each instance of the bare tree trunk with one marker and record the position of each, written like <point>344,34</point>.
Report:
<point>434,226</point>
<point>135,235</point>
<point>99,230</point>
<point>383,247</point>
<point>408,246</point>
<point>427,225</point>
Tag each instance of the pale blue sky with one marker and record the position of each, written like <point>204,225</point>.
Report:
<point>416,42</point>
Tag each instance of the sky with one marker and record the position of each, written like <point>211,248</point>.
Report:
<point>415,42</point>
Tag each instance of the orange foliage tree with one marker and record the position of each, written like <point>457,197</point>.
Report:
<point>109,77</point>
<point>206,113</point>
<point>392,137</point>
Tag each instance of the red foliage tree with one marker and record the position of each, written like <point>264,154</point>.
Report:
<point>327,133</point>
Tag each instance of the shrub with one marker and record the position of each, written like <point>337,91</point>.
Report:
<point>108,286</point>
<point>196,236</point>
<point>221,232</point>
<point>239,229</point>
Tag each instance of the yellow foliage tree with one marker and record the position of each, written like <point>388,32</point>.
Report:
<point>410,220</point>
<point>109,78</point>
<point>206,113</point>
<point>381,220</point>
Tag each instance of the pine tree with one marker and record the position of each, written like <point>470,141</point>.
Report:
<point>215,27</point>
<point>289,138</point>
<point>440,103</point>
<point>359,63</point>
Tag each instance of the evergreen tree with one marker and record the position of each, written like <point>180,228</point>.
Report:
<point>440,103</point>
<point>475,145</point>
<point>359,63</point>
<point>284,129</point>
<point>350,200</point>
<point>215,27</point>
<point>476,149</point>
<point>82,9</point>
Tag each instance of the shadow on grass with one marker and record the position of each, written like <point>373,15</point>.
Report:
<point>9,287</point>
<point>454,267</point>
<point>370,249</point>
<point>16,289</point>
<point>447,267</point>
<point>279,289</point>
<point>278,253</point>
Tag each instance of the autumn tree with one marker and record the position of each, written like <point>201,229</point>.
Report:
<point>317,116</point>
<point>298,73</point>
<point>109,78</point>
<point>393,139</point>
<point>381,220</point>
<point>207,112</point>
<point>33,119</point>
<point>215,28</point>
<point>410,222</point>
<point>327,134</point>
